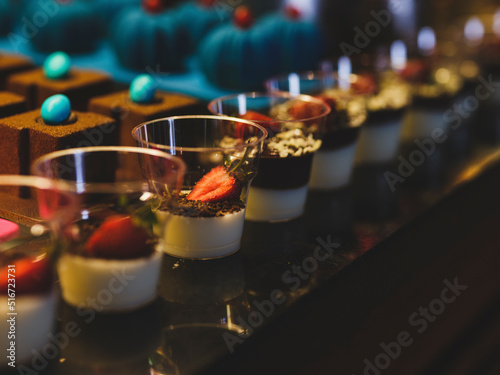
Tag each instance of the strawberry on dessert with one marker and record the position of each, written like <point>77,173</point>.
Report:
<point>26,290</point>
<point>118,238</point>
<point>120,245</point>
<point>217,185</point>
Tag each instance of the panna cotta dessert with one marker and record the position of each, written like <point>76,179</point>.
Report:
<point>379,137</point>
<point>116,269</point>
<point>28,302</point>
<point>333,163</point>
<point>434,88</point>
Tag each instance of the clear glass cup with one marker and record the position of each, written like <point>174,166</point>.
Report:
<point>222,158</point>
<point>33,232</point>
<point>295,125</point>
<point>334,161</point>
<point>113,261</point>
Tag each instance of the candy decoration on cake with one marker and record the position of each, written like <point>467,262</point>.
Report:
<point>146,38</point>
<point>56,109</point>
<point>143,89</point>
<point>57,65</point>
<point>199,17</point>
<point>238,55</point>
<point>71,26</point>
<point>301,42</point>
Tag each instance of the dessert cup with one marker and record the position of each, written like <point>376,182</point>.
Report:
<point>222,156</point>
<point>113,263</point>
<point>28,293</point>
<point>295,125</point>
<point>333,163</point>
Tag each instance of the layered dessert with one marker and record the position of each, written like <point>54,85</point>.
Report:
<point>141,103</point>
<point>434,89</point>
<point>28,303</point>
<point>207,221</point>
<point>279,190</point>
<point>115,265</point>
<point>78,85</point>
<point>32,134</point>
<point>333,163</point>
<point>379,136</point>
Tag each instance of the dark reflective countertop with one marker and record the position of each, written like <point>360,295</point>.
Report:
<point>261,305</point>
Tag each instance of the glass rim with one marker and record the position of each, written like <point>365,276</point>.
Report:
<point>276,94</point>
<point>202,149</point>
<point>105,187</point>
<point>37,182</point>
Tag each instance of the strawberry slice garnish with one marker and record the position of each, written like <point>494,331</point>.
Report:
<point>256,116</point>
<point>263,120</point>
<point>216,186</point>
<point>118,237</point>
<point>32,275</point>
<point>364,84</point>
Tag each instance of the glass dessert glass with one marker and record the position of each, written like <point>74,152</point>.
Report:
<point>113,262</point>
<point>222,157</point>
<point>333,163</point>
<point>295,126</point>
<point>33,231</point>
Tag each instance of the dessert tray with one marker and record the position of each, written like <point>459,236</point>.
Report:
<point>296,291</point>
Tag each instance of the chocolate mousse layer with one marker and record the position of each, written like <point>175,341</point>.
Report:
<point>339,138</point>
<point>283,173</point>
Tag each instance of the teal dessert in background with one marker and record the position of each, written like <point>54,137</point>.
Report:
<point>301,43</point>
<point>198,18</point>
<point>238,55</point>
<point>146,39</point>
<point>71,27</point>
<point>107,10</point>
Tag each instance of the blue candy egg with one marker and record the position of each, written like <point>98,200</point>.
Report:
<point>57,65</point>
<point>142,89</point>
<point>56,109</point>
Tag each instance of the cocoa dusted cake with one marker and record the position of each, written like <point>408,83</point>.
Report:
<point>57,77</point>
<point>10,64</point>
<point>11,104</point>
<point>32,134</point>
<point>141,103</point>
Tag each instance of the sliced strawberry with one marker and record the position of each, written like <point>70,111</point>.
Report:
<point>416,71</point>
<point>32,275</point>
<point>263,120</point>
<point>304,110</point>
<point>328,100</point>
<point>216,186</point>
<point>118,238</point>
<point>364,84</point>
<point>256,116</point>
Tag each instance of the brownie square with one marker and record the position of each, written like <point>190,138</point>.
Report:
<point>129,114</point>
<point>27,137</point>
<point>10,64</point>
<point>11,104</point>
<point>79,86</point>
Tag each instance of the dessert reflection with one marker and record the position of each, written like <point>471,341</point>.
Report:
<point>202,306</point>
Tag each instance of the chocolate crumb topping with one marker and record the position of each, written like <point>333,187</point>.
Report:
<point>195,208</point>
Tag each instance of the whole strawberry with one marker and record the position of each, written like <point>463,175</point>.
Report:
<point>216,186</point>
<point>118,237</point>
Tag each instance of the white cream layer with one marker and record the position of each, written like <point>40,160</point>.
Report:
<point>419,123</point>
<point>378,143</point>
<point>109,285</point>
<point>332,169</point>
<point>275,204</point>
<point>33,323</point>
<point>202,237</point>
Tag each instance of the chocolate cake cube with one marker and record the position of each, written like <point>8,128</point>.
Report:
<point>10,64</point>
<point>79,86</point>
<point>27,137</point>
<point>11,104</point>
<point>129,114</point>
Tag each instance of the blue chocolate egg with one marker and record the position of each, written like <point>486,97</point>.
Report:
<point>142,89</point>
<point>56,109</point>
<point>57,65</point>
